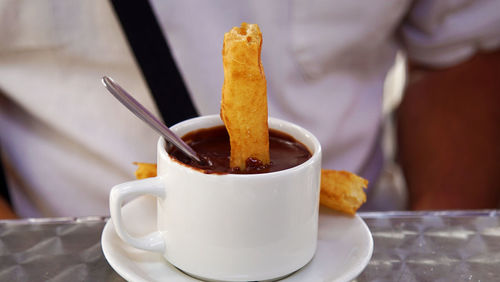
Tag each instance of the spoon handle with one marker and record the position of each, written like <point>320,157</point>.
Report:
<point>128,101</point>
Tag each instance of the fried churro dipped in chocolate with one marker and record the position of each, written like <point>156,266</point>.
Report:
<point>244,97</point>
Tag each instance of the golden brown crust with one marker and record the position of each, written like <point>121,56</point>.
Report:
<point>244,95</point>
<point>342,190</point>
<point>145,170</point>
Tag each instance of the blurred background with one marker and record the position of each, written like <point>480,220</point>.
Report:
<point>403,93</point>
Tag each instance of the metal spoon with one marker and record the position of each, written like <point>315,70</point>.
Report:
<point>141,112</point>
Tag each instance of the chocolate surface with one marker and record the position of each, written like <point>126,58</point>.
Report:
<point>212,145</point>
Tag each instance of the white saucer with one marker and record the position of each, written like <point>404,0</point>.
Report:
<point>345,246</point>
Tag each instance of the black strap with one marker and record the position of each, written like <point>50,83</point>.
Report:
<point>153,55</point>
<point>4,191</point>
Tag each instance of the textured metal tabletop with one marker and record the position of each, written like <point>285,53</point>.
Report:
<point>424,246</point>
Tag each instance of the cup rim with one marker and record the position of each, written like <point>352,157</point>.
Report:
<point>316,150</point>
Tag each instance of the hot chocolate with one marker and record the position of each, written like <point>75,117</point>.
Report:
<point>212,145</point>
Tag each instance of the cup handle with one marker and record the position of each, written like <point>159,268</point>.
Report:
<point>132,189</point>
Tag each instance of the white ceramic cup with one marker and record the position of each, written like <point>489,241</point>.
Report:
<point>230,227</point>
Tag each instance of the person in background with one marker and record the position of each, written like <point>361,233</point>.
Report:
<point>65,142</point>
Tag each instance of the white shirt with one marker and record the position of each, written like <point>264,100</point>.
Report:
<point>65,141</point>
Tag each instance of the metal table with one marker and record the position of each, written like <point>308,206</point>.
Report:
<point>408,246</point>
